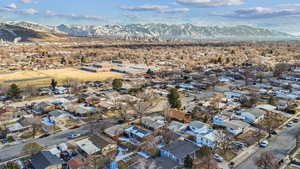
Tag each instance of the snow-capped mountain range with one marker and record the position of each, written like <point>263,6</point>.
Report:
<point>149,31</point>
<point>176,32</point>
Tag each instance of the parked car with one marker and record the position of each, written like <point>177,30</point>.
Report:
<point>218,158</point>
<point>239,145</point>
<point>296,120</point>
<point>72,136</point>
<point>273,132</point>
<point>289,124</point>
<point>263,143</point>
<point>44,135</point>
<point>75,127</point>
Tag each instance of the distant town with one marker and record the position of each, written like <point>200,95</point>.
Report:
<point>87,104</point>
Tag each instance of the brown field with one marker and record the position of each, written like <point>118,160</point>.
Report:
<point>58,74</point>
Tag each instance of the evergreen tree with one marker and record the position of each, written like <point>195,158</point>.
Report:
<point>14,92</point>
<point>188,162</point>
<point>204,151</point>
<point>117,84</point>
<point>150,72</point>
<point>53,84</point>
<point>173,98</point>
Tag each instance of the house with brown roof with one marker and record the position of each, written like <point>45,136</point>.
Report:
<point>106,144</point>
<point>76,163</point>
<point>179,115</point>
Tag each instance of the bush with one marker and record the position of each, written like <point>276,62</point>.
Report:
<point>117,84</point>
<point>291,111</point>
<point>10,139</point>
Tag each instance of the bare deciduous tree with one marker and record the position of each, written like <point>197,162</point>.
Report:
<point>280,68</point>
<point>74,85</point>
<point>30,90</point>
<point>267,160</point>
<point>145,103</point>
<point>223,141</point>
<point>143,164</point>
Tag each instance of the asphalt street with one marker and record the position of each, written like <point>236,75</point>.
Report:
<point>11,152</point>
<point>280,145</point>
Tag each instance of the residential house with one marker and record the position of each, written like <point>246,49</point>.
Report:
<point>9,113</point>
<point>201,132</point>
<point>234,127</point>
<point>137,133</point>
<point>60,117</point>
<point>160,162</point>
<point>84,111</point>
<point>93,100</point>
<point>45,160</point>
<point>76,163</point>
<point>198,127</point>
<point>177,126</point>
<point>16,127</point>
<point>179,150</point>
<point>43,107</point>
<point>235,95</point>
<point>180,115</point>
<point>106,144</point>
<point>282,105</point>
<point>207,138</point>
<point>115,132</point>
<point>153,123</point>
<point>252,115</point>
<point>87,147</point>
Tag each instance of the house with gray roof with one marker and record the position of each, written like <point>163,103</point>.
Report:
<point>179,150</point>
<point>45,160</point>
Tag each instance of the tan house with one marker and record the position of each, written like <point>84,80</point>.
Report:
<point>8,113</point>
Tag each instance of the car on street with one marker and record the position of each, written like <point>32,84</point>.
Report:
<point>218,158</point>
<point>263,143</point>
<point>75,127</point>
<point>289,124</point>
<point>296,120</point>
<point>273,132</point>
<point>72,136</point>
<point>44,135</point>
<point>239,145</point>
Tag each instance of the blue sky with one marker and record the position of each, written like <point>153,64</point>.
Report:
<point>282,15</point>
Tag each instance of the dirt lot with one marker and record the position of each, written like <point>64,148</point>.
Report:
<point>43,77</point>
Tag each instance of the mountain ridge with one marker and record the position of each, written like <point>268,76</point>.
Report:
<point>175,32</point>
<point>157,31</point>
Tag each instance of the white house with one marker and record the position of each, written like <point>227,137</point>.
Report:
<point>253,115</point>
<point>206,139</point>
<point>203,134</point>
<point>232,126</point>
<point>198,127</point>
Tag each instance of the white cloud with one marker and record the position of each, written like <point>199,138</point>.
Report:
<point>145,8</point>
<point>209,3</point>
<point>29,11</point>
<point>289,5</point>
<point>14,9</point>
<point>12,6</point>
<point>74,16</point>
<point>175,10</point>
<point>260,12</point>
<point>155,8</point>
<point>26,1</point>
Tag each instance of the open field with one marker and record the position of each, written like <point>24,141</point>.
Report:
<point>43,77</point>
